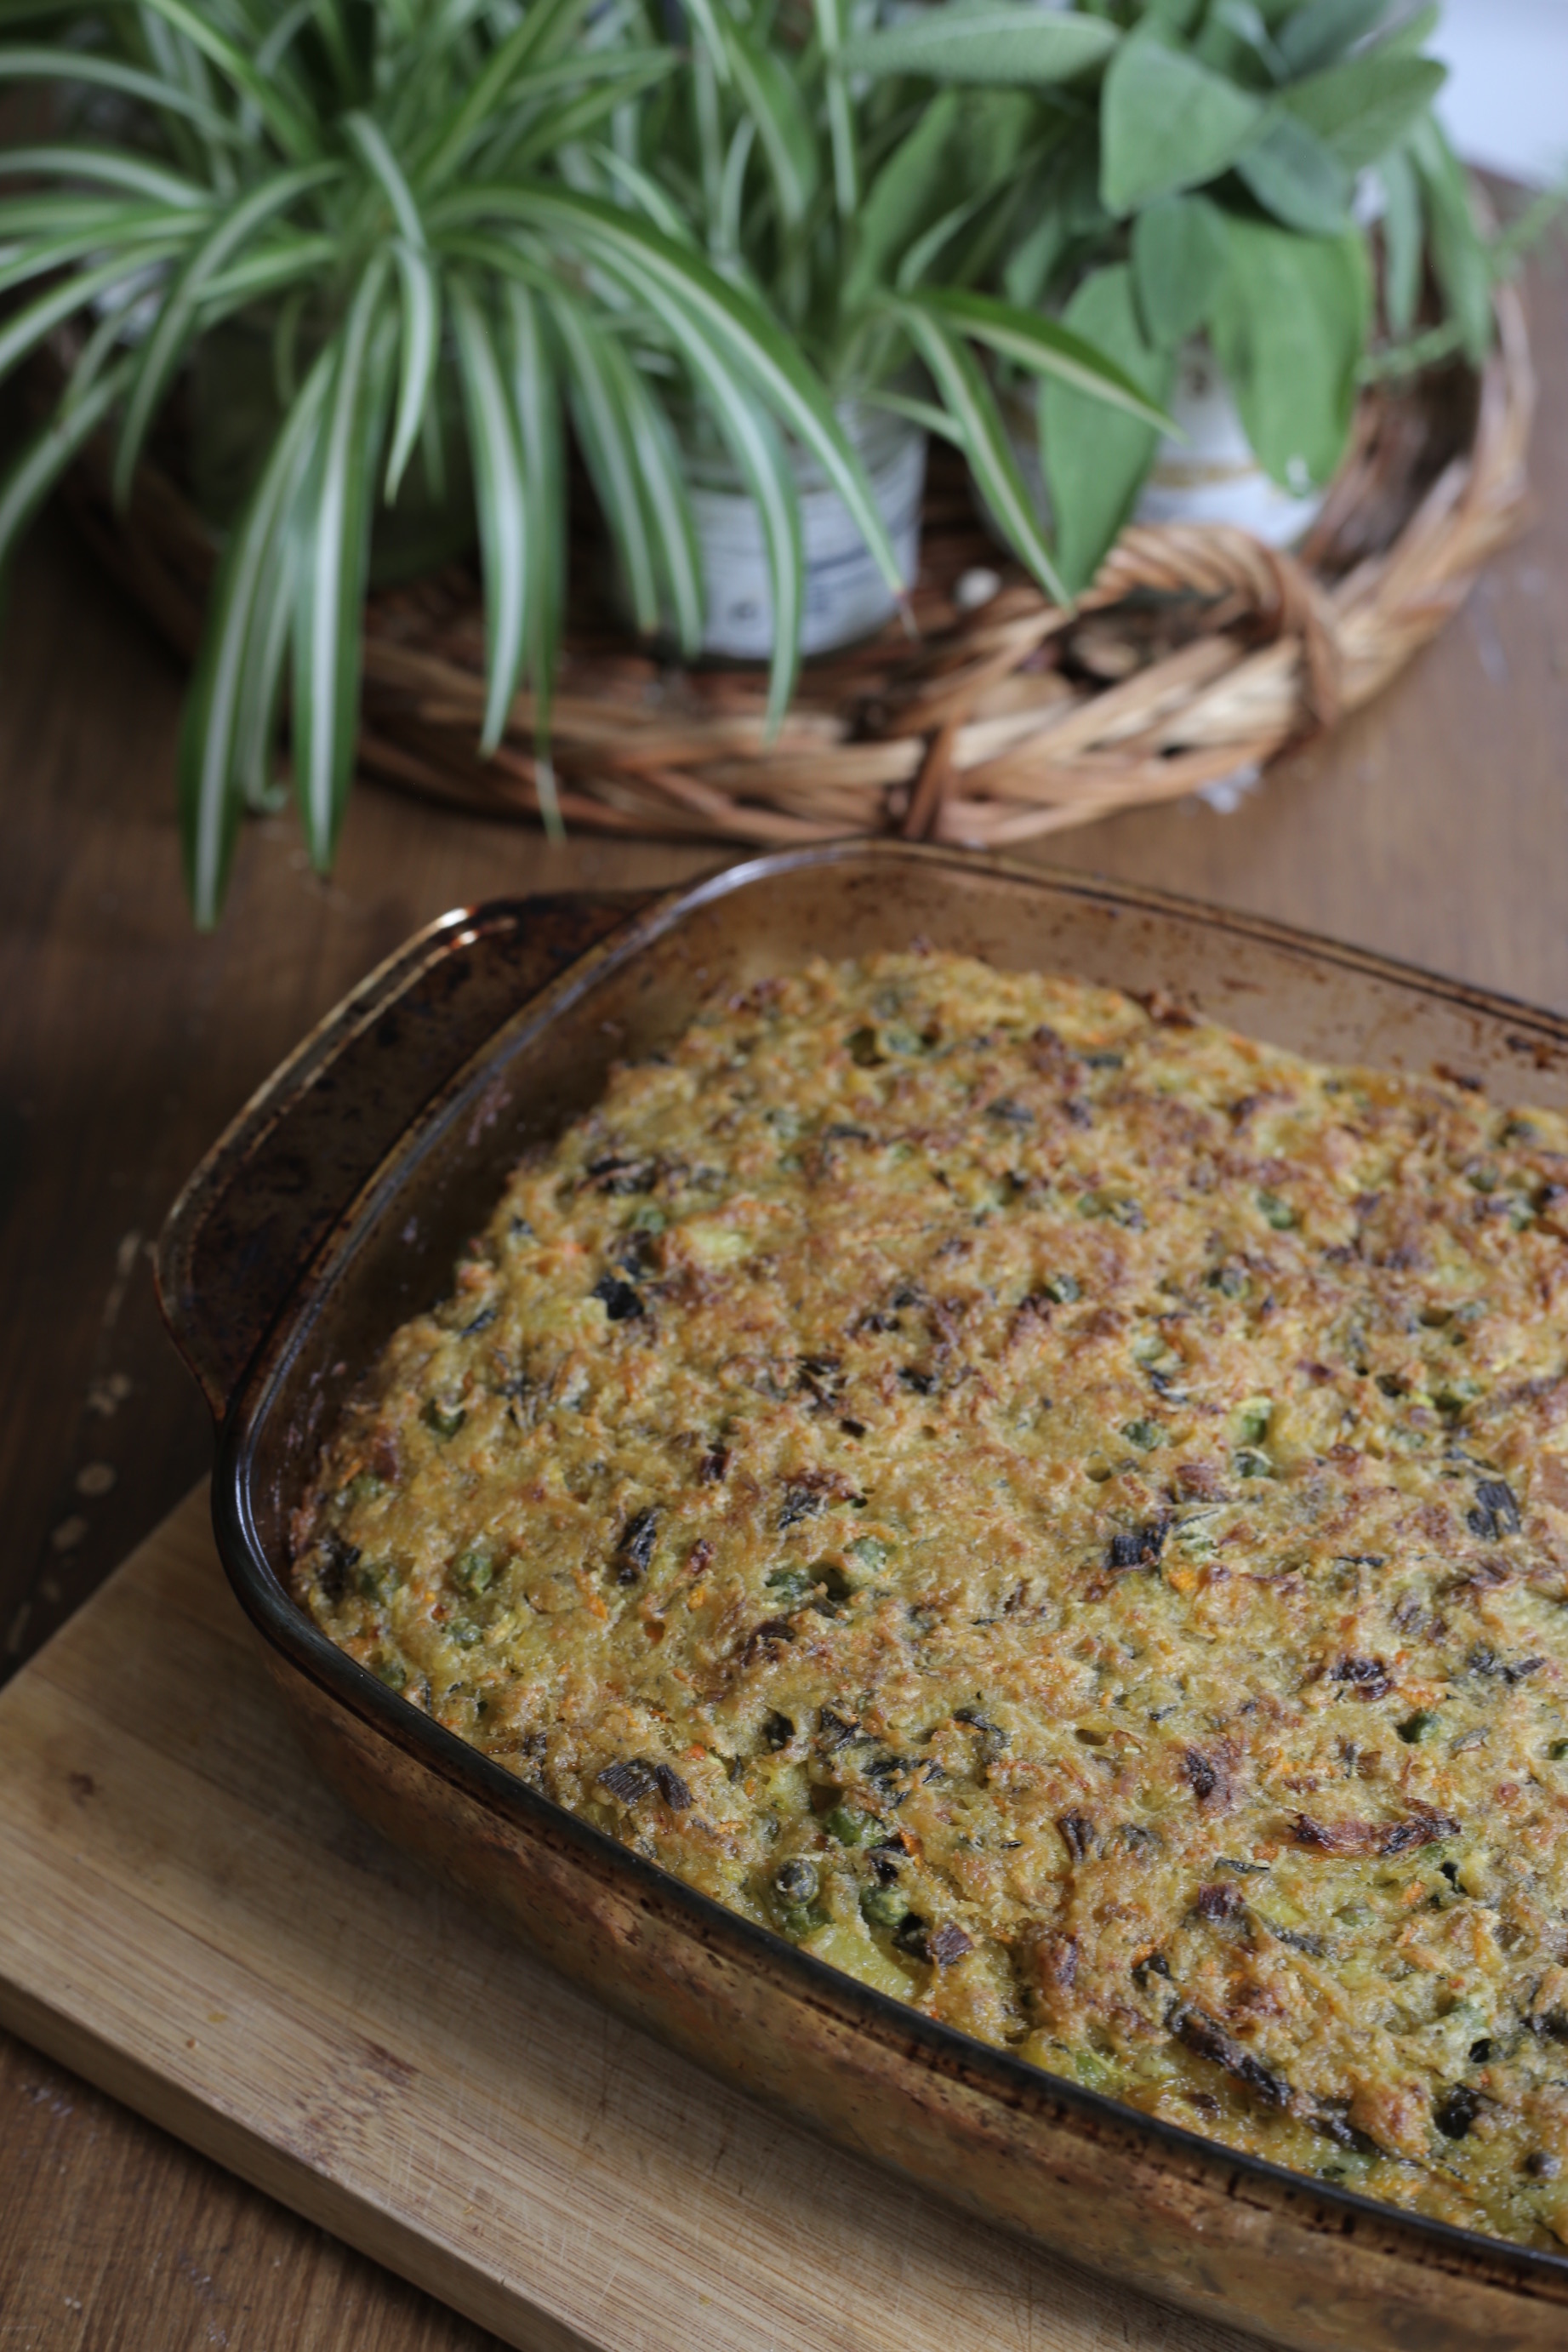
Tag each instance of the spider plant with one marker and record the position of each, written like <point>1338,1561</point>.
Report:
<point>382,187</point>
<point>865,209</point>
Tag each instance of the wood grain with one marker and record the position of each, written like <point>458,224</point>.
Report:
<point>1431,826</point>
<point>211,2263</point>
<point>196,1923</point>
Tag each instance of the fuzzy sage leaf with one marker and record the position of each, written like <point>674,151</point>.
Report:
<point>1093,460</point>
<point>1167,122</point>
<point>985,41</point>
<point>1178,258</point>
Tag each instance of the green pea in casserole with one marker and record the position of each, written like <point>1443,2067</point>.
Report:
<point>1058,1508</point>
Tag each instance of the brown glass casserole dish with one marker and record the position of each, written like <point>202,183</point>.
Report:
<point>333,1209</point>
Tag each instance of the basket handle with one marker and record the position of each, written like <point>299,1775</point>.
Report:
<point>260,1206</point>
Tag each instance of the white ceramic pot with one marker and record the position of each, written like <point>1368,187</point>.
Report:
<point>1212,476</point>
<point>845,594</point>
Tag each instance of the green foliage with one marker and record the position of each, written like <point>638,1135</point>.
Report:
<point>1094,464</point>
<point>1289,326</point>
<point>1459,259</point>
<point>1167,122</point>
<point>1179,253</point>
<point>1199,181</point>
<point>1310,36</point>
<point>458,225</point>
<point>1296,177</point>
<point>376,186</point>
<point>986,42</point>
<point>977,425</point>
<point>1362,109</point>
<point>1402,241</point>
<point>908,196</point>
<point>932,125</point>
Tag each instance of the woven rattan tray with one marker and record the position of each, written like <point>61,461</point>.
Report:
<point>1197,654</point>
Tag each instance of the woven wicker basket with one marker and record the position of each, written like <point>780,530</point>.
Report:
<point>1197,654</point>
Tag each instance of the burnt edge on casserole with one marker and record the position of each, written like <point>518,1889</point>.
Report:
<point>1055,1507</point>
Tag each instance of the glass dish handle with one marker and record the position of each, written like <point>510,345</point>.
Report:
<point>260,1206</point>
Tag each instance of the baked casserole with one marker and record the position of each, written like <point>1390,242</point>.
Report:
<point>1058,1508</point>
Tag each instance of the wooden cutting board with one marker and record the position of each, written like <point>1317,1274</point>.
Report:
<point>191,1919</point>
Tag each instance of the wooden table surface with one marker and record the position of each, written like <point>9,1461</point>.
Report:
<point>1434,827</point>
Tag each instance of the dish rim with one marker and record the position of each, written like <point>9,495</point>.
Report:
<point>289,1631</point>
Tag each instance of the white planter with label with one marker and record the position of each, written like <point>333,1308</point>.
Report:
<point>1209,476</point>
<point>845,594</point>
<point>1212,476</point>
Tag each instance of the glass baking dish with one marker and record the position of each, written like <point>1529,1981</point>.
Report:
<point>334,1208</point>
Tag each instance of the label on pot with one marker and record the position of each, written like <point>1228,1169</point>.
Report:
<point>845,594</point>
